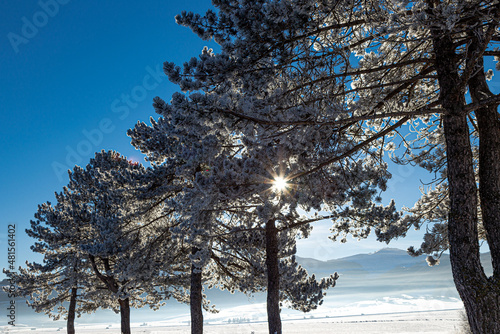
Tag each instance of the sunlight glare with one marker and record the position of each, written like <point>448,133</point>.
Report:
<point>280,184</point>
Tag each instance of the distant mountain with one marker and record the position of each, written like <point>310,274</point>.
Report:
<point>382,261</point>
<point>386,272</point>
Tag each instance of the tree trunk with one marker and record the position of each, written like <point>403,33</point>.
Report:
<point>71,312</point>
<point>273,279</point>
<point>489,180</point>
<point>112,285</point>
<point>489,190</point>
<point>125,315</point>
<point>196,298</point>
<point>489,163</point>
<point>480,297</point>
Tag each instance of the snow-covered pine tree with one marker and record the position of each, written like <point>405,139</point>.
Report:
<point>268,224</point>
<point>125,235</point>
<point>363,69</point>
<point>235,186</point>
<point>64,275</point>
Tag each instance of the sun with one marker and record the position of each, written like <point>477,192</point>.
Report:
<point>280,184</point>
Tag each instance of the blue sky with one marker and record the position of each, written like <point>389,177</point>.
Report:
<point>85,74</point>
<point>75,76</point>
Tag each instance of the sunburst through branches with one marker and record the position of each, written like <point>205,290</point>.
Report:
<point>280,184</point>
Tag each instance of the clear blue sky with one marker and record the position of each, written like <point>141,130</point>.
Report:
<point>87,69</point>
<point>75,77</point>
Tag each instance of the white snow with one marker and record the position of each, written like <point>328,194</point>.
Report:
<point>403,314</point>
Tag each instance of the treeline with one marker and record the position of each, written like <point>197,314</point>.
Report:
<point>120,235</point>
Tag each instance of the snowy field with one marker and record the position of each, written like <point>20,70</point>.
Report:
<point>416,322</point>
<point>383,292</point>
<point>387,315</point>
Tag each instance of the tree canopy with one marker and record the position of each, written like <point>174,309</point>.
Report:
<point>333,82</point>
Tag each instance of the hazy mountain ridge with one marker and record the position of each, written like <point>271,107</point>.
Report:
<point>388,272</point>
<point>383,261</point>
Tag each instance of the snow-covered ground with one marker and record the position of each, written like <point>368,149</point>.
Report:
<point>404,314</point>
<point>382,292</point>
<point>417,322</point>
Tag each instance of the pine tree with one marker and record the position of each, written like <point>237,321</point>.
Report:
<point>232,193</point>
<point>126,235</point>
<point>268,225</point>
<point>64,274</point>
<point>106,243</point>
